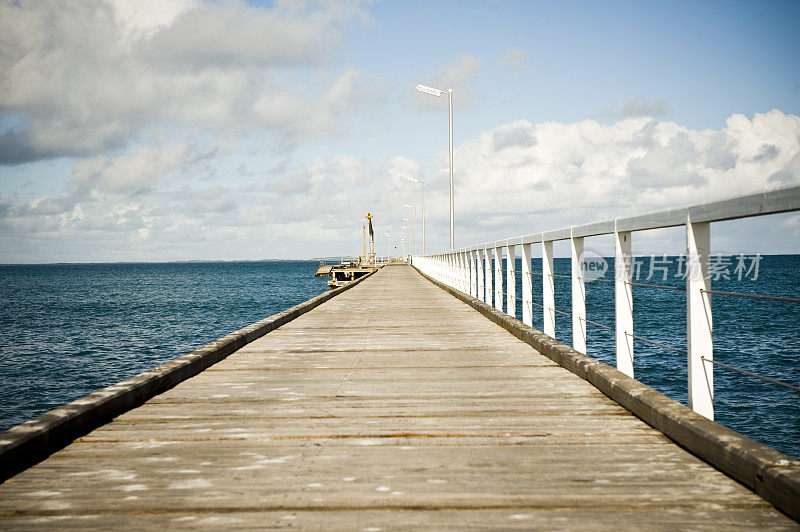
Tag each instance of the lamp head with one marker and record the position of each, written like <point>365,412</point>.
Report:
<point>429,90</point>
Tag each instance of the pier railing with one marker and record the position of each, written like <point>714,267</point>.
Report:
<point>470,270</point>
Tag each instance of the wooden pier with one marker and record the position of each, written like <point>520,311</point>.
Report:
<point>393,404</point>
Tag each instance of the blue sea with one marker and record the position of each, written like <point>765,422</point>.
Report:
<point>69,329</point>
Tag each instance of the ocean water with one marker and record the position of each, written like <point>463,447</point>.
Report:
<point>67,330</point>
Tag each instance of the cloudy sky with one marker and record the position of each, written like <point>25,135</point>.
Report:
<point>133,130</point>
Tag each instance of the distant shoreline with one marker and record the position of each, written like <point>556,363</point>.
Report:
<point>192,261</point>
<point>313,259</point>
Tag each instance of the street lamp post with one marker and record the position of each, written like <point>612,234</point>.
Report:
<point>422,182</point>
<point>406,232</point>
<point>413,226</point>
<point>439,92</point>
<point>388,246</point>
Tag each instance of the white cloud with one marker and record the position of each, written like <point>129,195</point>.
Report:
<point>514,59</point>
<point>517,178</point>
<point>137,168</point>
<point>141,18</point>
<point>462,71</point>
<point>402,169</point>
<point>82,78</point>
<point>635,107</point>
<point>460,76</point>
<point>584,171</point>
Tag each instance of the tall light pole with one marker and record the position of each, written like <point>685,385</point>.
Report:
<point>422,181</point>
<point>439,92</point>
<point>413,225</point>
<point>406,232</point>
<point>388,246</point>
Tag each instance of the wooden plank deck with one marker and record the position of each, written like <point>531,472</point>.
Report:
<point>391,405</point>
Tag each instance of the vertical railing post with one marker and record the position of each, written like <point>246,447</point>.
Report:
<point>449,259</point>
<point>457,278</point>
<point>498,279</point>
<point>548,290</point>
<point>464,272</point>
<point>456,271</point>
<point>511,282</point>
<point>623,301</point>
<point>527,288</point>
<point>454,261</point>
<point>487,275</point>
<point>453,270</point>
<point>473,279</point>
<point>479,270</point>
<point>578,295</point>
<point>699,343</point>
<point>459,273</point>
<point>465,258</point>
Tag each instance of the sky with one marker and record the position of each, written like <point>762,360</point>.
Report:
<point>135,130</point>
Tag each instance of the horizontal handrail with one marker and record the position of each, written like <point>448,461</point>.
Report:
<point>771,202</point>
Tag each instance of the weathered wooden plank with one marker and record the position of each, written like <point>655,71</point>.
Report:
<point>391,404</point>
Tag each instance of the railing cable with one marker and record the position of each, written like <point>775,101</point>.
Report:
<point>751,374</point>
<point>542,273</point>
<point>662,286</point>
<point>598,324</point>
<point>754,296</point>
<point>655,343</point>
<point>561,312</point>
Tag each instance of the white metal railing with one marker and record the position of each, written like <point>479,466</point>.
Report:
<point>469,269</point>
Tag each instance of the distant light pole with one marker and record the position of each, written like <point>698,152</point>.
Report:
<point>422,181</point>
<point>439,92</point>
<point>388,246</point>
<point>413,225</point>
